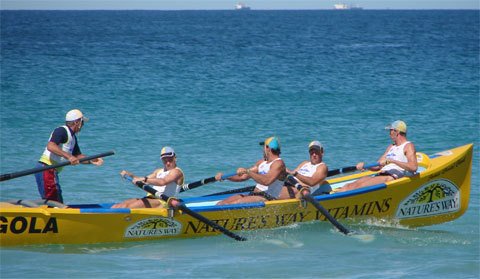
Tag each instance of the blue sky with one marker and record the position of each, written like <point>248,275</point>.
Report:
<point>228,5</point>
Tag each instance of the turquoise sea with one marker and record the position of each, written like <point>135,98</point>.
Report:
<point>212,84</point>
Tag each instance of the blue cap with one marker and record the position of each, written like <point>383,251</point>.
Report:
<point>272,143</point>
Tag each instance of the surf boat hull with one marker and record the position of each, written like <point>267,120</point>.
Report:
<point>437,194</point>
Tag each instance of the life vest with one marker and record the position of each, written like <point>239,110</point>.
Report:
<point>50,158</point>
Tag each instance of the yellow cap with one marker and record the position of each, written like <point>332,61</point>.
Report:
<point>398,125</point>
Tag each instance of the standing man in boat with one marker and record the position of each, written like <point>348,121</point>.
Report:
<point>62,146</point>
<point>166,180</point>
<point>310,174</point>
<point>269,173</point>
<point>399,160</point>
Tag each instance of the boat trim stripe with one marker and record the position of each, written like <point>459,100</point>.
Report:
<point>104,210</point>
<point>351,192</point>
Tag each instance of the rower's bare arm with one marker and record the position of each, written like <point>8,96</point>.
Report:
<point>317,178</point>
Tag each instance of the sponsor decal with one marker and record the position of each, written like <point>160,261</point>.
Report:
<point>153,227</point>
<point>284,219</point>
<point>434,198</point>
<point>364,209</point>
<point>29,225</point>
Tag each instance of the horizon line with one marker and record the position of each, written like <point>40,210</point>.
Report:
<point>253,10</point>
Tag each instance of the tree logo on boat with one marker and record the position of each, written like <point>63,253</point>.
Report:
<point>434,198</point>
<point>154,227</point>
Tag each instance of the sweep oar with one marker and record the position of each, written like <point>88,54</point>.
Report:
<point>317,205</point>
<point>8,176</point>
<point>179,205</point>
<point>349,169</point>
<point>330,173</point>
<point>327,214</point>
<point>234,191</point>
<point>199,183</point>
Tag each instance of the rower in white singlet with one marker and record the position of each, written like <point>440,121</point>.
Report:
<point>269,174</point>
<point>166,180</point>
<point>399,160</point>
<point>309,174</point>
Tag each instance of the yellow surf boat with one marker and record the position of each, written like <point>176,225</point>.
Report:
<point>438,193</point>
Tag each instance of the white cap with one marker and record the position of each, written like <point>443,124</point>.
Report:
<point>315,145</point>
<point>75,114</point>
<point>167,151</point>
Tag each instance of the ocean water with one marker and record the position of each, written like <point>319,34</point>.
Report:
<point>212,84</point>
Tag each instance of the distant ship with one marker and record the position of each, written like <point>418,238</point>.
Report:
<point>241,6</point>
<point>346,7</point>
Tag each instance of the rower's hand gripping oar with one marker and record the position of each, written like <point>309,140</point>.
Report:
<point>179,205</point>
<point>8,176</point>
<point>199,183</point>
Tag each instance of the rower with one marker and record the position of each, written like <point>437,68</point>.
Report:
<point>166,180</point>
<point>269,173</point>
<point>309,174</point>
<point>399,160</point>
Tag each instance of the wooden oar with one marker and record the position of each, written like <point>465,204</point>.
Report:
<point>181,206</point>
<point>199,183</point>
<point>333,221</point>
<point>349,169</point>
<point>8,176</point>
<point>292,180</point>
<point>234,191</point>
<point>330,173</point>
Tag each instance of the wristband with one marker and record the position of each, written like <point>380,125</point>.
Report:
<point>145,179</point>
<point>295,173</point>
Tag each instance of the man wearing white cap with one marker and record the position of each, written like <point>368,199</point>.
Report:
<point>166,180</point>
<point>399,160</point>
<point>62,146</point>
<point>310,174</point>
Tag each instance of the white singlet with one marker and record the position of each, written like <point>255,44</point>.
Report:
<point>171,189</point>
<point>273,189</point>
<point>308,169</point>
<point>396,153</point>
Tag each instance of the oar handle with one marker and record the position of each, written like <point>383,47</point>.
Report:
<point>8,176</point>
<point>350,169</point>
<point>199,183</point>
<point>372,165</point>
<point>225,176</point>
